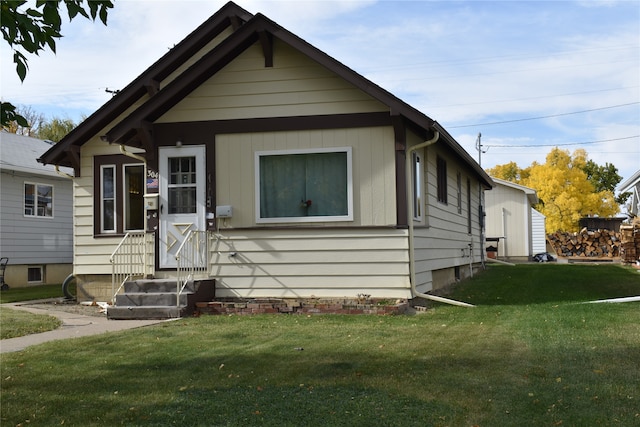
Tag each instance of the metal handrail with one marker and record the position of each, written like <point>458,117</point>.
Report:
<point>192,260</point>
<point>132,258</point>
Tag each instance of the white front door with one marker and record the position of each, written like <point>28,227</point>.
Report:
<point>182,197</point>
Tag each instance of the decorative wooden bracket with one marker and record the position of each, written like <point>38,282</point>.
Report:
<point>266,41</point>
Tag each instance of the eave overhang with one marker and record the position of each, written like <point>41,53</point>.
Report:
<point>148,83</point>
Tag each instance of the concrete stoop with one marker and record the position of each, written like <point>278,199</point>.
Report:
<point>156,299</point>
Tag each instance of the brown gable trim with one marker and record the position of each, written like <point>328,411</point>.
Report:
<point>255,30</point>
<point>197,74</point>
<point>229,15</point>
<point>192,132</point>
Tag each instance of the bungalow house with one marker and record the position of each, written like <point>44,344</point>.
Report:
<point>36,223</point>
<point>632,185</point>
<point>248,156</point>
<point>513,227</point>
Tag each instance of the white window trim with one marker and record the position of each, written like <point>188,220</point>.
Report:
<point>418,184</point>
<point>115,199</point>
<point>338,218</point>
<point>35,203</point>
<point>37,267</point>
<point>125,191</point>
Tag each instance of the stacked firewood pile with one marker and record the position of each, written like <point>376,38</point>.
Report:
<point>630,241</point>
<point>592,244</point>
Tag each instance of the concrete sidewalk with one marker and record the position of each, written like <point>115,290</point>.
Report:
<point>73,326</point>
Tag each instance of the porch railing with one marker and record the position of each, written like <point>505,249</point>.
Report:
<point>192,259</point>
<point>133,258</point>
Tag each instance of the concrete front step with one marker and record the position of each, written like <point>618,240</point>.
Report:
<point>147,312</point>
<point>156,299</point>
<point>151,299</point>
<point>151,286</point>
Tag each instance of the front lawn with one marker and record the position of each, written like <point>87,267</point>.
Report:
<point>30,293</point>
<point>508,362</point>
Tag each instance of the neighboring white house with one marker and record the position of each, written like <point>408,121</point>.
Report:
<point>36,208</point>
<point>312,180</point>
<point>632,185</point>
<point>512,223</point>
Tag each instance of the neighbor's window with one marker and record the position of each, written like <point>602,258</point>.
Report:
<point>119,195</point>
<point>417,186</point>
<point>304,185</point>
<point>34,274</point>
<point>441,172</point>
<point>38,200</point>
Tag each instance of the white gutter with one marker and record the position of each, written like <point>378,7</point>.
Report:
<point>412,263</point>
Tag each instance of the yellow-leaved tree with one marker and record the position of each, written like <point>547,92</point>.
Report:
<point>563,188</point>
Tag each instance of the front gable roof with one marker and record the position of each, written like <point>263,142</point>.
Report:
<point>134,130</point>
<point>67,151</point>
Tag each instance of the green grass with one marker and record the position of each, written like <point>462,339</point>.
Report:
<point>30,293</point>
<point>16,323</point>
<point>511,361</point>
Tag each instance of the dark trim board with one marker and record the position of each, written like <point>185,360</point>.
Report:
<point>192,132</point>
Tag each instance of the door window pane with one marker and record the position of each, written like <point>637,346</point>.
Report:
<point>182,185</point>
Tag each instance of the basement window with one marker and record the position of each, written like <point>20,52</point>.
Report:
<point>35,274</point>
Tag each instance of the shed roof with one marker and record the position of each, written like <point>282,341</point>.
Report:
<point>630,182</point>
<point>529,192</point>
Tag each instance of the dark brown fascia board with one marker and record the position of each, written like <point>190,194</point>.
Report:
<point>256,29</point>
<point>191,132</point>
<point>188,81</point>
<point>461,152</point>
<point>229,15</point>
<point>395,104</point>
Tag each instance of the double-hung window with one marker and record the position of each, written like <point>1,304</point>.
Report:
<point>441,174</point>
<point>38,200</point>
<point>119,195</point>
<point>417,186</point>
<point>304,185</point>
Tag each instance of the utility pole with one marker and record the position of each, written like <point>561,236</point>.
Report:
<point>479,148</point>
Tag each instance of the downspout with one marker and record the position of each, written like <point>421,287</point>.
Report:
<point>412,266</point>
<point>59,172</point>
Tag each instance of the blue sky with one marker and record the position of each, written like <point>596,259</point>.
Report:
<point>526,75</point>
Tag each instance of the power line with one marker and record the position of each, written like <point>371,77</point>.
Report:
<point>542,117</point>
<point>562,145</point>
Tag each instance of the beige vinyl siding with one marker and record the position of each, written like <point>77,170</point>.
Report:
<point>442,239</point>
<point>305,263</point>
<point>294,86</point>
<point>91,255</point>
<point>373,170</point>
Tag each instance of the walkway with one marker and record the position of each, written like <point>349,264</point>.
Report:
<point>73,326</point>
